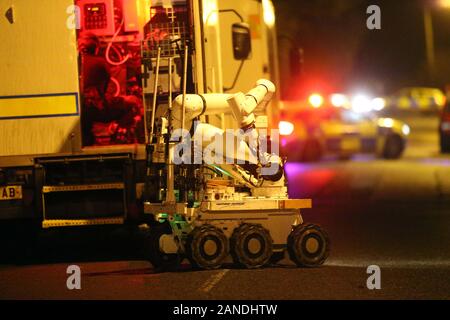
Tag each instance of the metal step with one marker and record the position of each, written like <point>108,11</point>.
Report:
<point>84,187</point>
<point>46,224</point>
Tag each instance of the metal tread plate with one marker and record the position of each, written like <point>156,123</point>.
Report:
<point>87,187</point>
<point>81,222</point>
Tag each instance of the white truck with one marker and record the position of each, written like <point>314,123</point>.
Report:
<point>101,102</point>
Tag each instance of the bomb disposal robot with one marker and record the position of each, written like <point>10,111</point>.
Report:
<point>242,209</point>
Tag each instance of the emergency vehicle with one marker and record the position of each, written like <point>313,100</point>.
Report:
<point>444,128</point>
<point>92,95</point>
<point>422,99</point>
<point>326,127</point>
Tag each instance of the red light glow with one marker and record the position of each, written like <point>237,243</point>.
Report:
<point>316,100</point>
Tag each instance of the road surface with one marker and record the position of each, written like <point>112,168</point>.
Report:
<point>394,214</point>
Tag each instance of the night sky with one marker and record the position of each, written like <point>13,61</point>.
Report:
<point>340,53</point>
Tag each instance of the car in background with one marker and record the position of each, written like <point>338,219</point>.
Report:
<point>307,134</point>
<point>426,100</point>
<point>444,128</point>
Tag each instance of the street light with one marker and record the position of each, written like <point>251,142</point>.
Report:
<point>444,4</point>
<point>429,34</point>
<point>429,40</point>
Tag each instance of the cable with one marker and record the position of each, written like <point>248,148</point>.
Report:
<point>117,52</point>
<point>236,78</point>
<point>116,82</point>
<point>108,49</point>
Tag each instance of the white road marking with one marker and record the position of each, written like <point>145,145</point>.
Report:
<point>389,263</point>
<point>213,280</point>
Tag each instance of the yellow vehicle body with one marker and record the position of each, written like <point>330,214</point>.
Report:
<point>420,99</point>
<point>341,132</point>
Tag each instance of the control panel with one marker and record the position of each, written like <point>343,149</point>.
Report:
<point>97,16</point>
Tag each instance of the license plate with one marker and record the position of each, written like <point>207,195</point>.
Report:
<point>11,193</point>
<point>350,144</point>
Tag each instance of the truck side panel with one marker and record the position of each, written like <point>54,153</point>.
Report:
<point>221,67</point>
<point>39,101</point>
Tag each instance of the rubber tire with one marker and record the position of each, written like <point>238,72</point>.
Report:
<point>312,151</point>
<point>444,142</point>
<point>240,252</point>
<point>198,256</point>
<point>297,245</point>
<point>160,261</point>
<point>393,147</point>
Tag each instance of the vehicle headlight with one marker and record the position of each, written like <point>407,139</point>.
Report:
<point>406,130</point>
<point>386,122</point>
<point>361,104</point>
<point>378,104</point>
<point>286,128</point>
<point>338,100</point>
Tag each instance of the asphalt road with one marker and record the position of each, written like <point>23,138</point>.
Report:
<point>394,214</point>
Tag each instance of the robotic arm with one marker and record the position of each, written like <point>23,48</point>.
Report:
<point>241,105</point>
<point>243,154</point>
